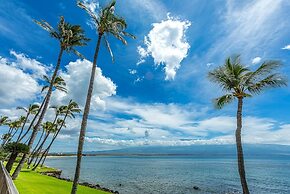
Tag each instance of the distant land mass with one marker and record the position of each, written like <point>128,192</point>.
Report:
<point>199,151</point>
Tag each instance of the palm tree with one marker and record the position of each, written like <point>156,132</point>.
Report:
<point>4,120</point>
<point>13,125</point>
<point>31,110</point>
<point>240,82</point>
<point>48,127</point>
<point>68,111</point>
<point>106,23</point>
<point>18,124</point>
<point>69,36</point>
<point>14,148</point>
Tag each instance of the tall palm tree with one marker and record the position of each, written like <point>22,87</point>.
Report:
<point>69,36</point>
<point>107,23</point>
<point>239,82</point>
<point>48,127</point>
<point>69,111</point>
<point>58,84</point>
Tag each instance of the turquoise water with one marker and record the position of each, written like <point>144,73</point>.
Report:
<point>178,175</point>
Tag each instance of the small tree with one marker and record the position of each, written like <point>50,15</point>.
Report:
<point>14,148</point>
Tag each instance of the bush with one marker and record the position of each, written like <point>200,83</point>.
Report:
<point>16,147</point>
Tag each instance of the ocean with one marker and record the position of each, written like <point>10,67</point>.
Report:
<point>179,174</point>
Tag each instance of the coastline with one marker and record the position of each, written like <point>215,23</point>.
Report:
<point>56,173</point>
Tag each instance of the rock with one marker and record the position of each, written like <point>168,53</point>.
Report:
<point>120,185</point>
<point>196,188</point>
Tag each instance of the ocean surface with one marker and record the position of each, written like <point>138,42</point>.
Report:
<point>179,174</point>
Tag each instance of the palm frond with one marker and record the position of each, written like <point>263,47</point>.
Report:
<point>109,48</point>
<point>223,100</point>
<point>271,81</point>
<point>91,14</point>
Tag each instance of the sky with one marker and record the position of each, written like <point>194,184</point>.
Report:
<point>156,92</point>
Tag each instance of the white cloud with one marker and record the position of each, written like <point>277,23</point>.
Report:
<point>15,84</point>
<point>256,60</point>
<point>93,5</point>
<point>32,66</point>
<point>167,45</point>
<point>249,28</point>
<point>132,71</point>
<point>77,77</point>
<point>128,123</point>
<point>149,8</point>
<point>287,47</point>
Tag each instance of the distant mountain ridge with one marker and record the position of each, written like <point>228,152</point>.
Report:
<point>250,150</point>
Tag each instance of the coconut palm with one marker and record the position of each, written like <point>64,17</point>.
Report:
<point>69,111</point>
<point>48,127</point>
<point>107,23</point>
<point>15,148</point>
<point>13,125</point>
<point>18,124</point>
<point>31,110</point>
<point>4,120</point>
<point>239,82</point>
<point>69,36</point>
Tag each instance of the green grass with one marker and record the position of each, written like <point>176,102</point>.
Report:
<point>29,182</point>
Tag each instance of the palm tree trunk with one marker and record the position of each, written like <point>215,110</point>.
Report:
<point>33,120</point>
<point>11,160</point>
<point>38,150</point>
<point>14,134</point>
<point>22,128</point>
<point>40,138</point>
<point>85,118</point>
<point>44,154</point>
<point>35,129</point>
<point>240,148</point>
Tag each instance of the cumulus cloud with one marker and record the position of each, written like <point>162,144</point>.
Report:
<point>256,60</point>
<point>167,45</point>
<point>128,123</point>
<point>77,77</point>
<point>31,66</point>
<point>15,84</point>
<point>287,47</point>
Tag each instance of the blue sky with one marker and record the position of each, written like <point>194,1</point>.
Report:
<point>156,92</point>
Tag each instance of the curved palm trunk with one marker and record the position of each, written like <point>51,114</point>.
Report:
<point>22,128</point>
<point>40,138</point>
<point>38,150</point>
<point>240,153</point>
<point>16,130</point>
<point>44,154</point>
<point>33,120</point>
<point>85,118</point>
<point>45,106</point>
<point>11,160</point>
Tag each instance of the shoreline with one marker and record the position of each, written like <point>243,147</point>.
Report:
<point>56,173</point>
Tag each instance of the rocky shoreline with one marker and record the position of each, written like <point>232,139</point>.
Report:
<point>57,174</point>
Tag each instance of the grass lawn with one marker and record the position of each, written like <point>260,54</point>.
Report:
<point>29,182</point>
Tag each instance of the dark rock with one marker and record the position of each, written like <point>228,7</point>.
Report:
<point>120,185</point>
<point>196,188</point>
